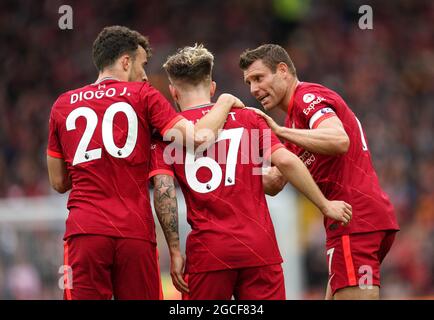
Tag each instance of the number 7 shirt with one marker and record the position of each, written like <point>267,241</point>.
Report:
<point>103,133</point>
<point>349,177</point>
<point>226,206</point>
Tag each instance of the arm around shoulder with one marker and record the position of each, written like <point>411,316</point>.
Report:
<point>205,131</point>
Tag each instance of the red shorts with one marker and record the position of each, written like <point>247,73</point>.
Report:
<point>354,260</point>
<point>256,283</point>
<point>101,267</point>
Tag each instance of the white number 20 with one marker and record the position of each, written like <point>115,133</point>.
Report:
<point>192,165</point>
<point>84,155</point>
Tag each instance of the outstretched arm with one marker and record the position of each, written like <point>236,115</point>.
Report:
<point>166,208</point>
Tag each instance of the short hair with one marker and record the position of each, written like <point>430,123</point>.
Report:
<point>114,41</point>
<point>270,54</point>
<point>192,65</point>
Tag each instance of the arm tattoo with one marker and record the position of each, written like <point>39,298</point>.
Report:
<point>166,208</point>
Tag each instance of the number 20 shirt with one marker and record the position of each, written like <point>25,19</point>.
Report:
<point>103,133</point>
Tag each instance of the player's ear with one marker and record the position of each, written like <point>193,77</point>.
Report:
<point>282,68</point>
<point>125,62</point>
<point>173,92</point>
<point>212,88</point>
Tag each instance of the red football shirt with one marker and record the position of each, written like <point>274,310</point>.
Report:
<point>349,177</point>
<point>226,206</point>
<point>103,132</point>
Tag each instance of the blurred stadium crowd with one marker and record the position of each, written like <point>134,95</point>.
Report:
<point>385,74</point>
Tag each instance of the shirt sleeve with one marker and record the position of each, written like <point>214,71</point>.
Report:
<point>54,149</point>
<point>268,141</point>
<point>160,112</point>
<point>158,164</point>
<point>313,108</point>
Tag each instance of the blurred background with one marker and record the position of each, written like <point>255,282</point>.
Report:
<point>386,75</point>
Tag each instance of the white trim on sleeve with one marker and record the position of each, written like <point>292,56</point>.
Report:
<point>317,115</point>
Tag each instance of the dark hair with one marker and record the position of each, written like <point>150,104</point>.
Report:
<point>270,54</point>
<point>114,41</point>
<point>192,65</point>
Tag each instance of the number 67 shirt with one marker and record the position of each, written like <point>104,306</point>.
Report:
<point>103,133</point>
<point>226,206</point>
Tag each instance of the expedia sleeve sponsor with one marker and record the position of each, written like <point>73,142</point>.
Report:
<point>312,105</point>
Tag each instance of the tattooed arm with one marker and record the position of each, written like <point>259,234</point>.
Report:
<point>166,208</point>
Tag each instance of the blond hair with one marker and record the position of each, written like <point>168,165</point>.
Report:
<point>191,65</point>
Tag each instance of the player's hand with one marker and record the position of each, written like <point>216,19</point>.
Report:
<point>339,210</point>
<point>272,180</point>
<point>238,103</point>
<point>235,102</point>
<point>271,123</point>
<point>177,263</point>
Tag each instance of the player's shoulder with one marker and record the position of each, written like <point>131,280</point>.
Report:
<point>67,94</point>
<point>70,96</point>
<point>309,95</point>
<point>309,91</point>
<point>136,85</point>
<point>65,97</point>
<point>247,113</point>
<point>144,88</point>
<point>246,117</point>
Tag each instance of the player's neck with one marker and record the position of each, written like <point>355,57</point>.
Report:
<point>292,85</point>
<point>111,74</point>
<point>188,101</point>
